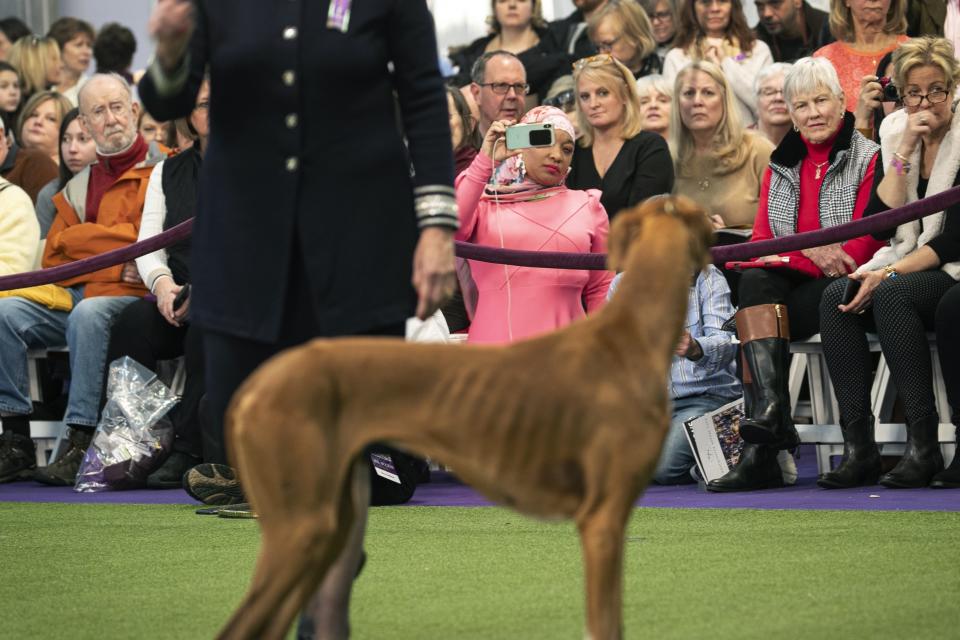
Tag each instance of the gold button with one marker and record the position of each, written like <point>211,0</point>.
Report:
<point>289,33</point>
<point>289,77</point>
<point>292,120</point>
<point>292,163</point>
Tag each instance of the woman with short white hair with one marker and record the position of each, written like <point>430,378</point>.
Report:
<point>820,175</point>
<point>656,95</point>
<point>773,117</point>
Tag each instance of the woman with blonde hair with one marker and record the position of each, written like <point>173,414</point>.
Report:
<point>717,162</point>
<point>38,61</point>
<point>613,153</point>
<point>901,286</point>
<point>518,27</point>
<point>38,126</point>
<point>622,29</point>
<point>864,32</point>
<point>716,31</point>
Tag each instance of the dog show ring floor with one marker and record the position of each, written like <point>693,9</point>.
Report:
<point>798,562</point>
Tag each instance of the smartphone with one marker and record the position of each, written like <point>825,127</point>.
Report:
<point>181,297</point>
<point>850,291</point>
<point>524,136</point>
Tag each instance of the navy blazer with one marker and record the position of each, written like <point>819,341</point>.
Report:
<point>305,155</point>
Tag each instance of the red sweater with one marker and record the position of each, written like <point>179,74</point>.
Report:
<point>861,249</point>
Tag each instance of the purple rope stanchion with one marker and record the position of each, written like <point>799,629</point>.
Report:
<point>541,259</point>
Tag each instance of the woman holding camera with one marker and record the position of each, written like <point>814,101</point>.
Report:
<point>518,200</point>
<point>820,176</point>
<point>613,154</point>
<point>899,289</point>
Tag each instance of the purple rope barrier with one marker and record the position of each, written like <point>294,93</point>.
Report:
<point>541,259</point>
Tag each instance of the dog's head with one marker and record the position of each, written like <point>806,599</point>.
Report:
<point>631,224</point>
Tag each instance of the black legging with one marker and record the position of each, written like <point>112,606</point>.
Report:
<point>800,293</point>
<point>948,346</point>
<point>902,312</point>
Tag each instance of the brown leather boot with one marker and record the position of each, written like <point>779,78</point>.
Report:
<point>764,332</point>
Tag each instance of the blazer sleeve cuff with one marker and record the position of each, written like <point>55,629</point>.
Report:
<point>436,206</point>
<point>169,83</point>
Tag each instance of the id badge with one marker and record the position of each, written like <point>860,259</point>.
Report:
<point>383,466</point>
<point>338,17</point>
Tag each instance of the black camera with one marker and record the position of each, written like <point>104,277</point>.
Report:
<point>890,93</point>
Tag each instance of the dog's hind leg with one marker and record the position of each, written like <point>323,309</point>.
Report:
<point>326,614</point>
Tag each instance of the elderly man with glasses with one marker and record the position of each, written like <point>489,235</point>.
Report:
<point>99,210</point>
<point>499,88</point>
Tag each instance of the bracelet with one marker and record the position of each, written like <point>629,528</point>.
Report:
<point>900,164</point>
<point>889,272</point>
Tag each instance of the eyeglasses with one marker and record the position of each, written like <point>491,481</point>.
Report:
<point>562,100</point>
<point>502,88</point>
<point>99,113</point>
<point>660,15</point>
<point>202,106</point>
<point>934,97</point>
<point>607,47</point>
<point>598,60</point>
<point>709,3</point>
<point>769,92</point>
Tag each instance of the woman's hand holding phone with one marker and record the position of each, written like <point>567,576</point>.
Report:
<point>495,144</point>
<point>869,280</point>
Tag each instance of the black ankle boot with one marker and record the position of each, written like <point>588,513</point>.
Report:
<point>949,478</point>
<point>63,471</point>
<point>757,469</point>
<point>18,456</point>
<point>861,458</point>
<point>922,459</point>
<point>765,344</point>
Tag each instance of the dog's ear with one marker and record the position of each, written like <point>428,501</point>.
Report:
<point>624,229</point>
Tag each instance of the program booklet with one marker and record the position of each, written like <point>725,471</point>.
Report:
<point>715,440</point>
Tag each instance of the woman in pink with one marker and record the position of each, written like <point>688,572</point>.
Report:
<point>517,200</point>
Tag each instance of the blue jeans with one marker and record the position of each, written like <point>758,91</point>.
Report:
<point>676,458</point>
<point>26,325</point>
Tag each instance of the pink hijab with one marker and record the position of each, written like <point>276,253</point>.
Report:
<point>510,180</point>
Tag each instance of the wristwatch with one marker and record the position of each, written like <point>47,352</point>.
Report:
<point>889,272</point>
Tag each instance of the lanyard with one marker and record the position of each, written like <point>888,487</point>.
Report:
<point>338,17</point>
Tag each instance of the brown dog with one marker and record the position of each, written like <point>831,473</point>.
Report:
<point>566,425</point>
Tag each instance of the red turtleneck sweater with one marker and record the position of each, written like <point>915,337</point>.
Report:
<point>106,172</point>
<point>861,249</point>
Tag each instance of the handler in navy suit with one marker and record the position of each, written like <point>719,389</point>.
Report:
<point>312,213</point>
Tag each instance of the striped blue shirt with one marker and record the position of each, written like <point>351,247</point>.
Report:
<point>708,307</point>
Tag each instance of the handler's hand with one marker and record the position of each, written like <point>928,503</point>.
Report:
<point>434,270</point>
<point>171,25</point>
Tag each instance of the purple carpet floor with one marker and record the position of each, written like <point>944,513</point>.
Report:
<point>446,491</point>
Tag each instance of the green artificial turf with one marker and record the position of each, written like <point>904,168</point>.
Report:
<point>125,571</point>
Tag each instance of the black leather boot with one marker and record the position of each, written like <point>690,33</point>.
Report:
<point>757,469</point>
<point>949,478</point>
<point>861,458</point>
<point>922,459</point>
<point>764,333</point>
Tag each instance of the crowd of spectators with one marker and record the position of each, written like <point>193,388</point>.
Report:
<point>807,121</point>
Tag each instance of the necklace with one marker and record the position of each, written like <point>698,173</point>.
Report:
<point>818,166</point>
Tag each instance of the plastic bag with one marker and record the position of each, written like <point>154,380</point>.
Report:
<point>133,435</point>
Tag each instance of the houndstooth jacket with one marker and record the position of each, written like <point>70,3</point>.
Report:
<point>849,160</point>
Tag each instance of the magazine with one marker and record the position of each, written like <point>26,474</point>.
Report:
<point>715,440</point>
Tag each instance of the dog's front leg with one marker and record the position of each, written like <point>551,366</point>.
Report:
<point>326,614</point>
<point>601,536</point>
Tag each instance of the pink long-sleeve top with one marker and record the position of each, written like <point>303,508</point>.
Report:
<point>861,249</point>
<point>520,302</point>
